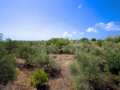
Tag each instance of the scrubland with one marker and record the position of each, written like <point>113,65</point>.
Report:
<point>60,64</point>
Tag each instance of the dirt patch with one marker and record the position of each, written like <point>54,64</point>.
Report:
<point>22,81</point>
<point>64,82</point>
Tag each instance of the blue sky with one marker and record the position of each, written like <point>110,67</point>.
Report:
<point>45,19</point>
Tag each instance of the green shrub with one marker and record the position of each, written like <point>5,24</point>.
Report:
<point>69,49</point>
<point>113,59</point>
<point>24,51</point>
<point>3,52</point>
<point>84,40</point>
<point>39,77</point>
<point>93,39</point>
<point>99,43</point>
<point>7,69</point>
<point>86,70</point>
<point>75,69</point>
<point>10,46</point>
<point>53,69</point>
<point>40,59</point>
<point>59,42</point>
<point>97,66</point>
<point>113,39</point>
<point>52,49</point>
<point>43,60</point>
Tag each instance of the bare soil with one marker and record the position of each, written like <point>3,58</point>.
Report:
<point>64,82</point>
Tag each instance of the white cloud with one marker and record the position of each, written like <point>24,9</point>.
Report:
<point>67,34</point>
<point>72,34</point>
<point>110,26</point>
<point>91,29</point>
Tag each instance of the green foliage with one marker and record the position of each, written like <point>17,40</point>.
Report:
<point>113,39</point>
<point>99,42</point>
<point>93,39</point>
<point>40,59</point>
<point>53,49</point>
<point>56,45</point>
<point>84,39</point>
<point>96,61</point>
<point>59,42</point>
<point>7,69</point>
<point>24,51</point>
<point>39,77</point>
<point>69,49</point>
<point>3,52</point>
<point>85,70</point>
<point>97,65</point>
<point>10,46</point>
<point>44,61</point>
<point>75,68</point>
<point>53,69</point>
<point>113,59</point>
<point>7,62</point>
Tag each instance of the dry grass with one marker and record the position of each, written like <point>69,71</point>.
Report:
<point>63,82</point>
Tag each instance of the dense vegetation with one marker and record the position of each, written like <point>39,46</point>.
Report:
<point>7,65</point>
<point>96,66</point>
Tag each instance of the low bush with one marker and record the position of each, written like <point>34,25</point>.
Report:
<point>40,59</point>
<point>59,42</point>
<point>69,49</point>
<point>7,69</point>
<point>85,70</point>
<point>52,49</point>
<point>53,69</point>
<point>43,60</point>
<point>113,59</point>
<point>99,43</point>
<point>97,66</point>
<point>88,75</point>
<point>24,51</point>
<point>56,45</point>
<point>39,77</point>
